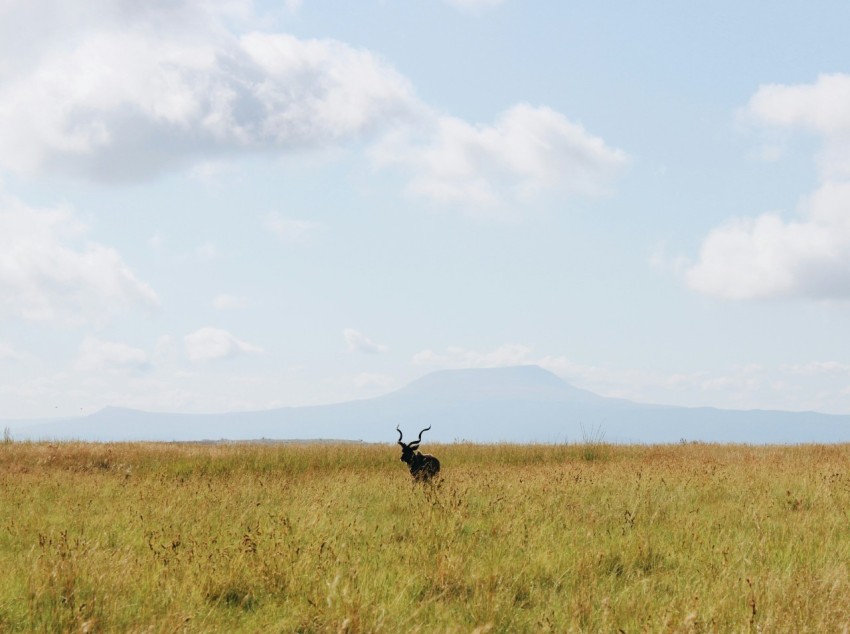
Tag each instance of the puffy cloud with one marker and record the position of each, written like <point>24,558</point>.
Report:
<point>109,356</point>
<point>768,256</point>
<point>527,151</point>
<point>820,106</point>
<point>119,91</point>
<point>124,103</point>
<point>358,342</point>
<point>49,272</point>
<point>208,344</point>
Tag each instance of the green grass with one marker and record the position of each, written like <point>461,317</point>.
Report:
<point>328,538</point>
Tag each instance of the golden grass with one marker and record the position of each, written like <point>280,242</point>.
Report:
<point>328,538</point>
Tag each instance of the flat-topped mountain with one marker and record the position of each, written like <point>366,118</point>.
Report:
<point>513,404</point>
<point>527,382</point>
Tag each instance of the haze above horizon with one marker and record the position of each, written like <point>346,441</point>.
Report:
<point>227,206</point>
<point>515,404</point>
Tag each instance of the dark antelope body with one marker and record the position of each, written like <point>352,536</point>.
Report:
<point>422,466</point>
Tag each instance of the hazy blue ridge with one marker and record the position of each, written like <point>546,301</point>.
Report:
<point>516,404</point>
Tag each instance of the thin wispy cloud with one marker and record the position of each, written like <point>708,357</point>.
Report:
<point>98,355</point>
<point>356,341</point>
<point>474,6</point>
<point>50,271</point>
<point>289,230</point>
<point>211,344</point>
<point>225,301</point>
<point>817,368</point>
<point>206,251</point>
<point>367,380</point>
<point>459,357</point>
<point>9,352</point>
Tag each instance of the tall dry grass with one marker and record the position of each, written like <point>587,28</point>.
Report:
<point>194,538</point>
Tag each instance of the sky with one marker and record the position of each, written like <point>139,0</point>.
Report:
<point>223,206</point>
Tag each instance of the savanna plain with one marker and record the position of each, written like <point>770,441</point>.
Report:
<point>337,538</point>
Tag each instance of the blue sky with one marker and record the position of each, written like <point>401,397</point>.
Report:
<point>217,206</point>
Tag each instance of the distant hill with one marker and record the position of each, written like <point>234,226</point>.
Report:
<point>516,404</point>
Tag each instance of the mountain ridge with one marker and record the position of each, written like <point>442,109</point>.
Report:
<point>513,404</point>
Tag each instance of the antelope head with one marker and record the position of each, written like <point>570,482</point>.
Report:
<point>422,466</point>
<point>409,450</point>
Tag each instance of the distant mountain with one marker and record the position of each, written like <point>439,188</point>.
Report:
<point>528,382</point>
<point>515,404</point>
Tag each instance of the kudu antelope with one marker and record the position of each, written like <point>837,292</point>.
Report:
<point>422,466</point>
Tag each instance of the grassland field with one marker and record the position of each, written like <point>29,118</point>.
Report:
<point>337,538</point>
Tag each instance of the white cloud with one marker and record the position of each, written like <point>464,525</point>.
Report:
<point>292,5</point>
<point>123,91</point>
<point>764,257</point>
<point>527,152</point>
<point>166,352</point>
<point>820,106</point>
<point>208,344</point>
<point>229,302</point>
<point>457,357</point>
<point>123,103</point>
<point>49,272</point>
<point>96,355</point>
<point>366,380</point>
<point>816,368</point>
<point>212,173</point>
<point>474,5</point>
<point>156,241</point>
<point>289,229</point>
<point>358,342</point>
<point>8,352</point>
<point>741,386</point>
<point>768,256</point>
